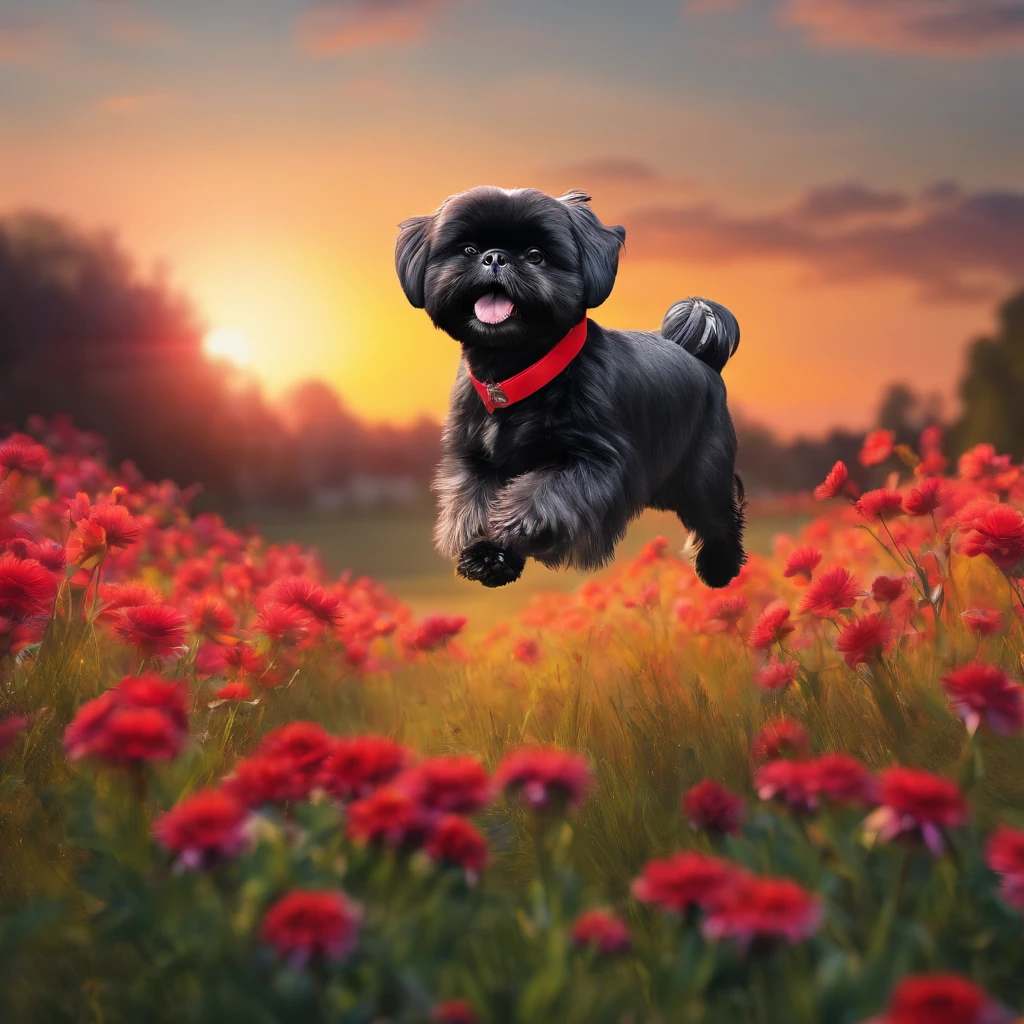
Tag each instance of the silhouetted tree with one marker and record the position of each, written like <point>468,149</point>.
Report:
<point>993,388</point>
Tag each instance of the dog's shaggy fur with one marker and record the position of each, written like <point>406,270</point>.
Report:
<point>638,419</point>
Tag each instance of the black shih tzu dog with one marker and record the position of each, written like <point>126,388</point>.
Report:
<point>561,431</point>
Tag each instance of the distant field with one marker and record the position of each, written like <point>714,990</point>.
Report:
<point>394,546</point>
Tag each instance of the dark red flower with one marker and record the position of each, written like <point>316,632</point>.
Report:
<point>926,497</point>
<point>527,650</point>
<point>842,780</point>
<point>780,738</point>
<point>141,719</point>
<point>601,930</point>
<point>23,454</point>
<point>835,483</point>
<point>790,782</point>
<point>284,624</point>
<point>998,533</point>
<point>829,593</point>
<point>712,807</point>
<point>1004,854</point>
<point>209,616</point>
<point>877,447</point>
<point>312,924</point>
<point>916,803</point>
<point>26,588</point>
<point>887,589</point>
<point>356,765</point>
<point>545,775</point>
<point>203,829</point>
<point>772,626</point>
<point>10,727</point>
<point>983,621</point>
<point>881,504</point>
<point>984,693</point>
<point>775,674</point>
<point>684,880</point>
<point>802,562</point>
<point>388,815</point>
<point>866,638</point>
<point>454,841</point>
<point>435,630</point>
<point>234,691</point>
<point>942,999</point>
<point>454,1011</point>
<point>307,596</point>
<point>763,912</point>
<point>460,785</point>
<point>157,630</point>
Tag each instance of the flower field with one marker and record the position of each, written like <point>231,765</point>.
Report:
<point>232,788</point>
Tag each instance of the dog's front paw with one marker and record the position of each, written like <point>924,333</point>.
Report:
<point>487,563</point>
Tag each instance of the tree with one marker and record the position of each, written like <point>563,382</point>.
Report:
<point>992,390</point>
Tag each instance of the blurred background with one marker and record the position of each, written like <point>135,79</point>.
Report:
<point>199,201</point>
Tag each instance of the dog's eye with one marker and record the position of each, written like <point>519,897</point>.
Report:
<point>534,255</point>
<point>470,250</point>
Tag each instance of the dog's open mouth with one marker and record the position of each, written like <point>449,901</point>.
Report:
<point>493,308</point>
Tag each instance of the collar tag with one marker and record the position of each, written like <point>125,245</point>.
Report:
<point>495,394</point>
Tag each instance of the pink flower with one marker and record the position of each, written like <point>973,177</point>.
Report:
<point>916,803</point>
<point>601,930</point>
<point>1004,854</point>
<point>772,627</point>
<point>775,674</point>
<point>203,829</point>
<point>802,562</point>
<point>764,912</point>
<point>307,924</point>
<point>983,693</point>
<point>711,807</point>
<point>545,776</point>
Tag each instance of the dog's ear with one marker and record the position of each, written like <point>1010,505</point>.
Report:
<point>412,248</point>
<point>598,245</point>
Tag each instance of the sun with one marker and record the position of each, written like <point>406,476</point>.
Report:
<point>229,343</point>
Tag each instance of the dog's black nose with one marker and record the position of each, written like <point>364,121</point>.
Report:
<point>495,258</point>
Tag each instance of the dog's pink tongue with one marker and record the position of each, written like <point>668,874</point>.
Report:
<point>492,309</point>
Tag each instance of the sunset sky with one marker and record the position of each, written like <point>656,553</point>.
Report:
<point>846,175</point>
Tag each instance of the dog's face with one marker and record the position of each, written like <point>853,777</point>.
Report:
<point>508,268</point>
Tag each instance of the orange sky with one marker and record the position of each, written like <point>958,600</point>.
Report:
<point>266,152</point>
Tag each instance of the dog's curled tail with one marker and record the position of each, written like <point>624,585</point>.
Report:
<point>704,328</point>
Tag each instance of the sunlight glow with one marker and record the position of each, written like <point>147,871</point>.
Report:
<point>229,343</point>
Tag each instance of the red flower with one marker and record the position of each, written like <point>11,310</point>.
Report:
<point>282,623</point>
<point>802,562</point>
<point>926,497</point>
<point>790,782</point>
<point>9,729</point>
<point>303,594</point>
<point>527,651</point>
<point>723,613</point>
<point>209,616</point>
<point>998,533</point>
<point>866,638</point>
<point>712,807</point>
<point>775,674</point>
<point>836,483</point>
<point>435,630</point>
<point>601,930</point>
<point>157,630</point>
<point>119,526</point>
<point>128,595</point>
<point>942,999</point>
<point>881,504</point>
<point>877,447</point>
<point>388,815</point>
<point>454,1011</point>
<point>683,881</point>
<point>780,738</point>
<point>26,588</point>
<point>983,621</point>
<point>22,453</point>
<point>234,691</point>
<point>1004,854</point>
<point>544,775</point>
<point>772,627</point>
<point>980,692</point>
<point>303,746</point>
<point>918,803</point>
<point>829,593</point>
<point>842,780</point>
<point>204,829</point>
<point>262,780</point>
<point>981,461</point>
<point>357,765</point>
<point>764,911</point>
<point>457,784</point>
<point>887,589</point>
<point>307,924</point>
<point>454,841</point>
<point>242,658</point>
<point>143,718</point>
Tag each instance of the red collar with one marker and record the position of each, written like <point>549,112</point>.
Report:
<point>535,376</point>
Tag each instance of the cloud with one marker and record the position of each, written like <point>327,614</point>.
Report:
<point>949,244</point>
<point>25,37</point>
<point>699,8</point>
<point>612,168</point>
<point>132,102</point>
<point>940,27</point>
<point>340,26</point>
<point>140,30</point>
